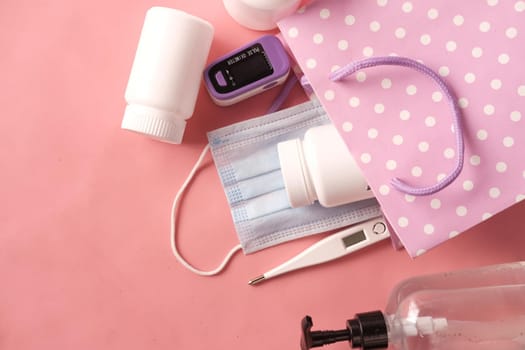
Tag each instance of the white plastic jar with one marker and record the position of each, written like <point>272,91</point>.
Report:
<point>321,168</point>
<point>166,74</point>
<point>260,14</point>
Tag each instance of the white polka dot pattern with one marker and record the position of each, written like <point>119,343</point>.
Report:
<point>398,122</point>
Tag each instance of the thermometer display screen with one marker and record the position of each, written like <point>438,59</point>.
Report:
<point>354,238</point>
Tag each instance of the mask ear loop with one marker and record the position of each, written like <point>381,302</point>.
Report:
<point>397,183</point>
<point>174,212</point>
<point>276,105</point>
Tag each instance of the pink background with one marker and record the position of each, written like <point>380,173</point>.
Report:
<point>85,261</point>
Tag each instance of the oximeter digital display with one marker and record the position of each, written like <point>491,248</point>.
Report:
<point>250,70</point>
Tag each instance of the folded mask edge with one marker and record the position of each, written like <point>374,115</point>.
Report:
<point>245,129</point>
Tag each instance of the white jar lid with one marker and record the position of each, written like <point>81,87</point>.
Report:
<point>295,175</point>
<point>260,14</point>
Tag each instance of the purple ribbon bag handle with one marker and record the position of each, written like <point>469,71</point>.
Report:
<point>397,183</point>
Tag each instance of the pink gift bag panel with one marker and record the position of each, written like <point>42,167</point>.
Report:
<point>397,122</point>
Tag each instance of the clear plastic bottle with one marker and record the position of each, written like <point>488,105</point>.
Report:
<point>477,309</point>
<point>320,167</point>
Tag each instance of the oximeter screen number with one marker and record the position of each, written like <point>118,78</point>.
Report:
<point>240,69</point>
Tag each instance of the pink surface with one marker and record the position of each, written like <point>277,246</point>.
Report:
<point>85,261</point>
<point>398,123</point>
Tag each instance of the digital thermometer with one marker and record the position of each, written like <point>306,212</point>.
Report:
<point>332,247</point>
<point>247,71</point>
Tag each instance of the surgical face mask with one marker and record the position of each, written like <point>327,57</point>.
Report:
<point>247,162</point>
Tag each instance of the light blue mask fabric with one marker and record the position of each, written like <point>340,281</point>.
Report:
<point>247,161</point>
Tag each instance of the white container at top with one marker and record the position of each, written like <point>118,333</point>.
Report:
<point>166,74</point>
<point>260,14</point>
<point>320,167</point>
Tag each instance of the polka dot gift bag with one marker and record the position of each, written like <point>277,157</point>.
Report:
<point>429,97</point>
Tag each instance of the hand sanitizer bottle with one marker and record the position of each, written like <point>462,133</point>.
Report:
<point>477,309</point>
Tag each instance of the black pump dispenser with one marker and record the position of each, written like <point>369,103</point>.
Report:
<point>366,331</point>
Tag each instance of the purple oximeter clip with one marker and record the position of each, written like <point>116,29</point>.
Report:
<point>247,71</point>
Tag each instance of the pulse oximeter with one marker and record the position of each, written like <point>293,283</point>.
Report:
<point>247,71</point>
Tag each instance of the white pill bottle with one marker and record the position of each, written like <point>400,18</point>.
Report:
<point>166,74</point>
<point>321,168</point>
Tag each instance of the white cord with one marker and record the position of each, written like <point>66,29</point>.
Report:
<point>174,211</point>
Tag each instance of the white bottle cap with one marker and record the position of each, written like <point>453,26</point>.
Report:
<point>260,14</point>
<point>295,175</point>
<point>156,123</point>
